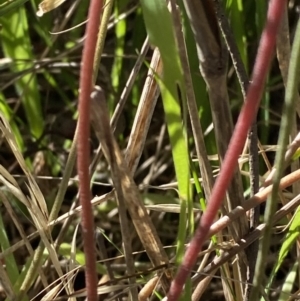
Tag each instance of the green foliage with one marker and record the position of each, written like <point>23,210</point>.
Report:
<point>10,5</point>
<point>157,17</point>
<point>287,244</point>
<point>41,94</point>
<point>16,45</point>
<point>12,268</point>
<point>66,251</point>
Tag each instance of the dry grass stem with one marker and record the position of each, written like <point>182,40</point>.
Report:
<point>126,187</point>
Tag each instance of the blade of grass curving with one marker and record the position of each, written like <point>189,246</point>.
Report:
<point>160,30</point>
<point>236,145</point>
<point>159,27</point>
<point>186,218</point>
<point>198,136</point>
<point>38,204</point>
<point>288,111</point>
<point>16,44</point>
<point>79,15</point>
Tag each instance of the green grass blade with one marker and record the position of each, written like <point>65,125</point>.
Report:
<point>161,35</point>
<point>11,265</point>
<point>65,250</point>
<point>10,5</point>
<point>7,112</point>
<point>289,283</point>
<point>16,45</point>
<point>199,85</point>
<point>120,31</point>
<point>237,20</point>
<point>160,30</point>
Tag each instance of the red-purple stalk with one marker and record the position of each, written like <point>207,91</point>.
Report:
<point>245,120</point>
<point>83,147</point>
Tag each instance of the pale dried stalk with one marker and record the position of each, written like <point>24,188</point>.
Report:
<point>144,114</point>
<point>100,121</point>
<point>125,186</point>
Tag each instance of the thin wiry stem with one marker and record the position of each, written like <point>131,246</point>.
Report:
<point>83,160</point>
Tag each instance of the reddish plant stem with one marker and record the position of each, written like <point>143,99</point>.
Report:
<point>245,120</point>
<point>83,147</point>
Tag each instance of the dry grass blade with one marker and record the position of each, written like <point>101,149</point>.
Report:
<point>202,286</point>
<point>124,96</point>
<point>148,289</point>
<point>130,82</point>
<point>48,5</point>
<point>52,294</point>
<point>35,202</point>
<point>38,202</point>
<point>112,157</point>
<point>144,114</point>
<point>128,189</point>
<point>173,208</point>
<point>257,199</point>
